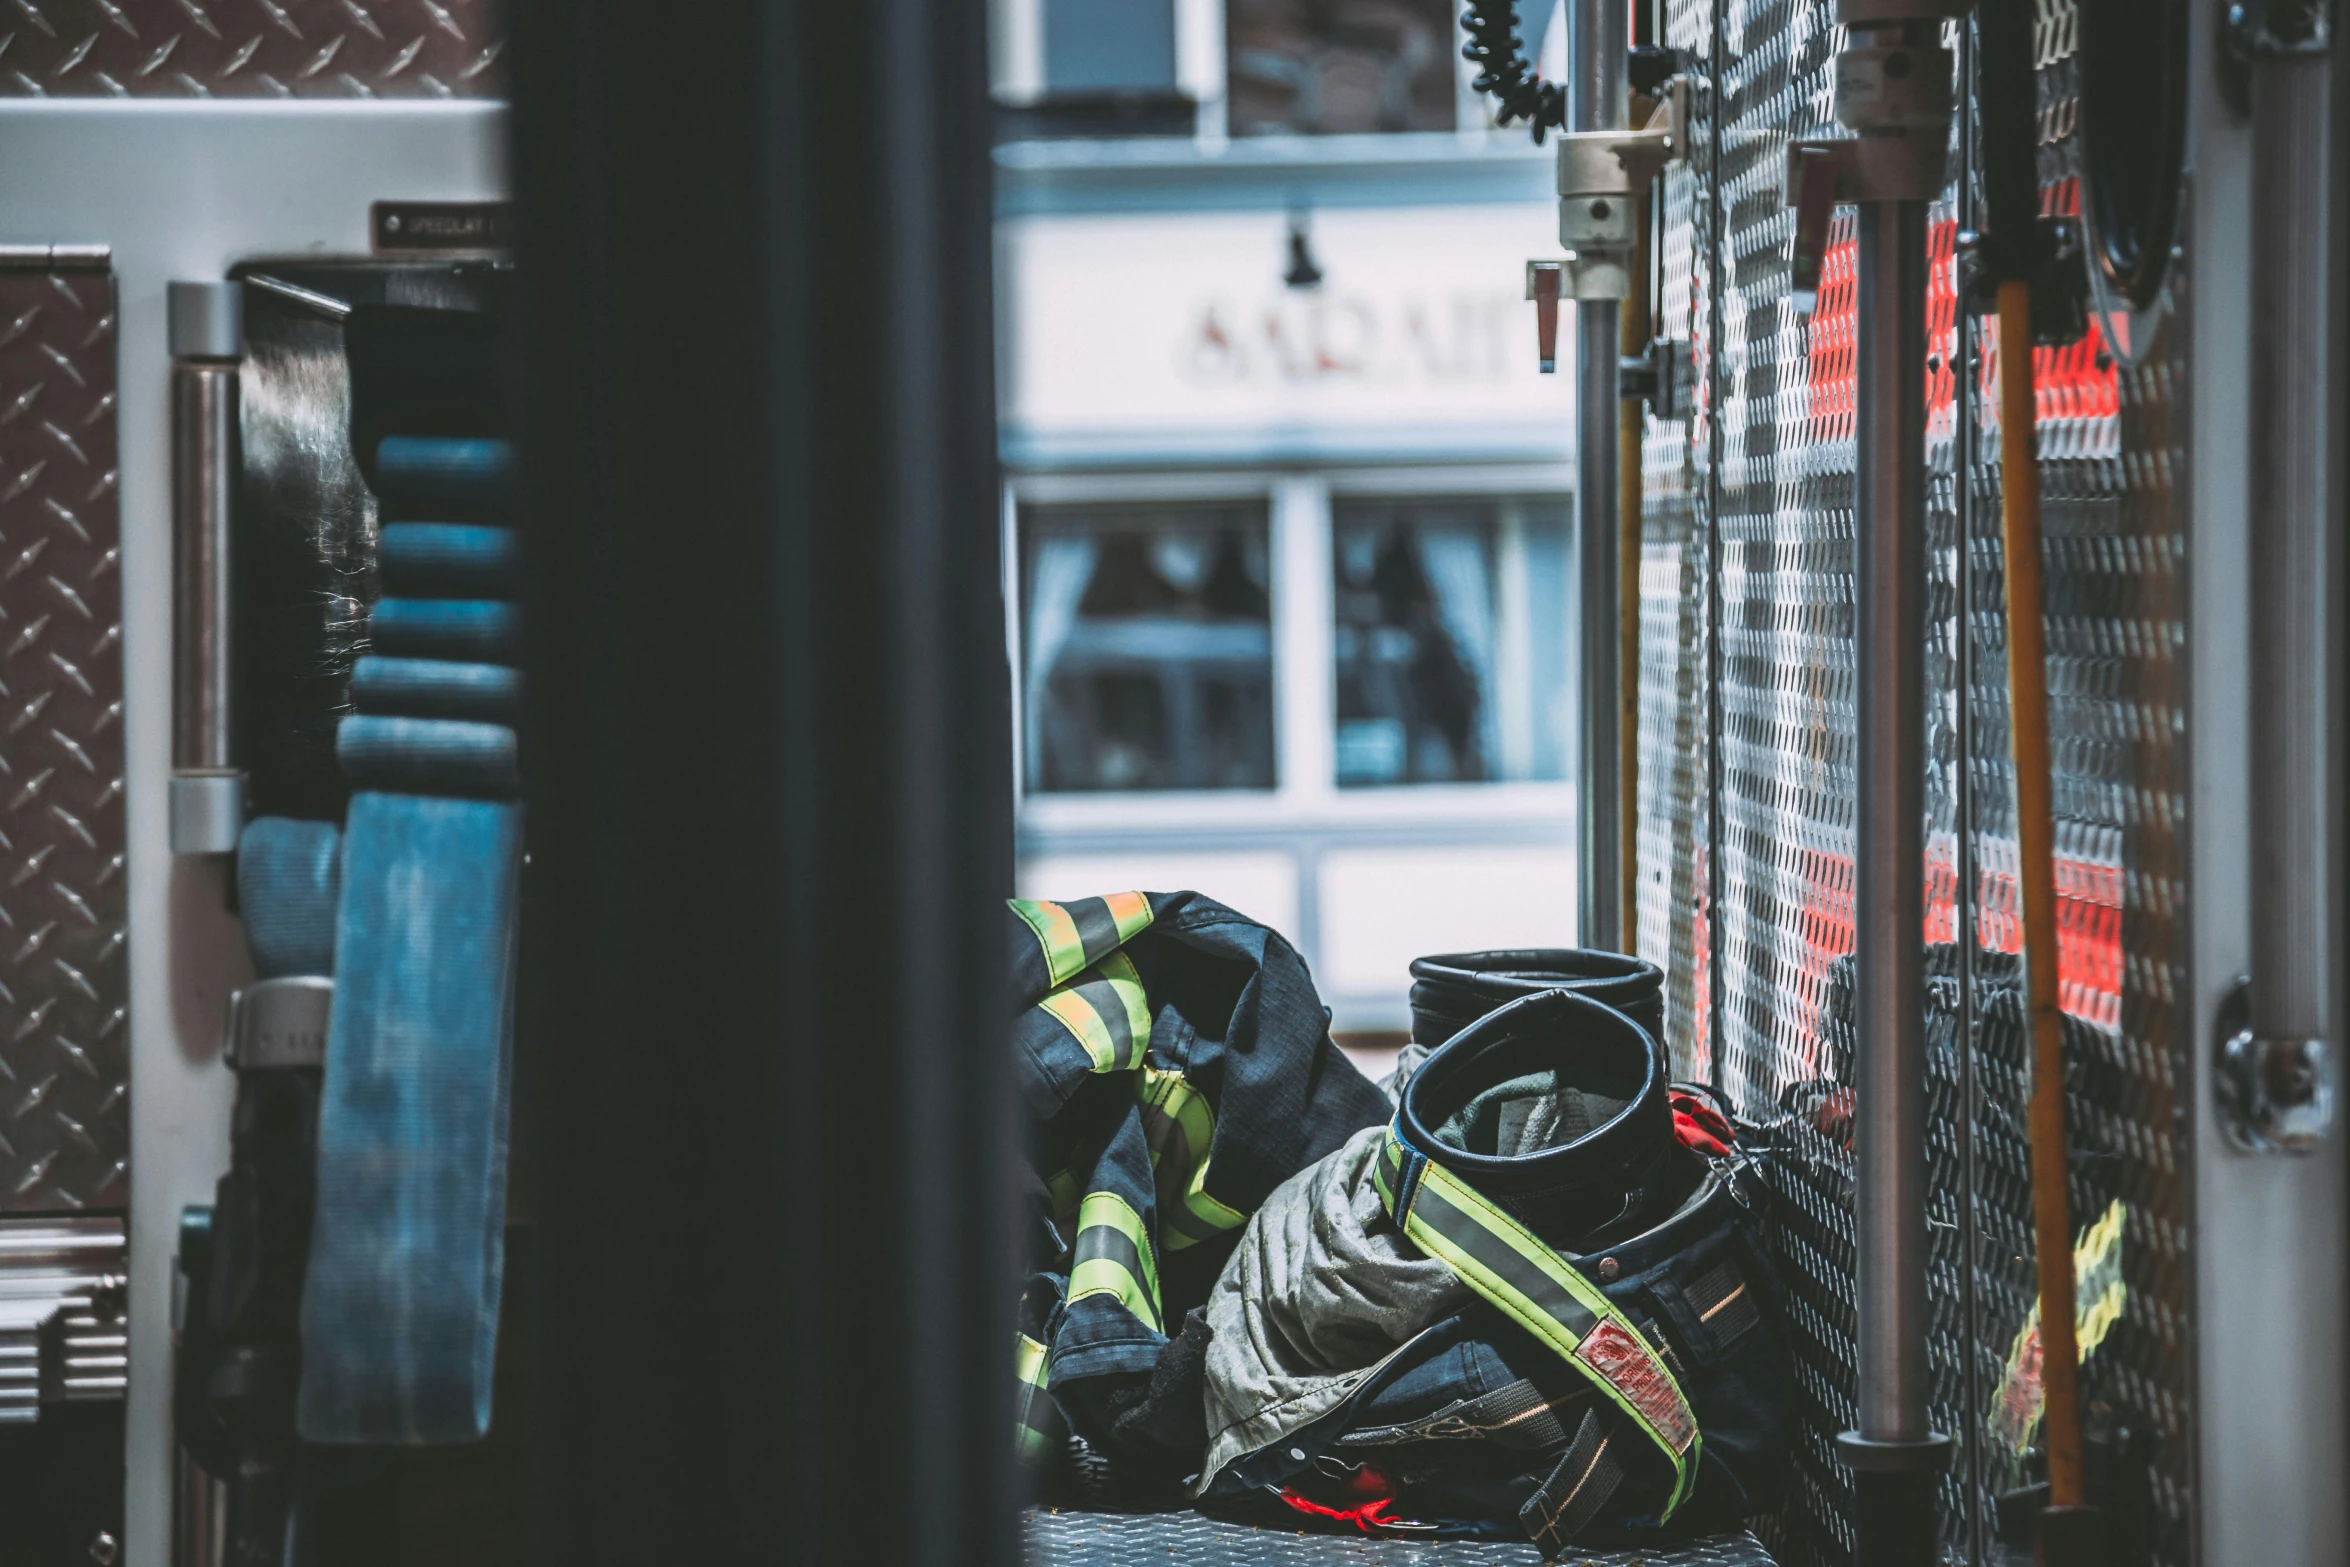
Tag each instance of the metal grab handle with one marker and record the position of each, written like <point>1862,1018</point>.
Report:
<point>2294,545</point>
<point>207,789</point>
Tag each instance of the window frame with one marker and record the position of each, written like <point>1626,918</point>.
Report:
<point>1306,791</point>
<point>1017,50</point>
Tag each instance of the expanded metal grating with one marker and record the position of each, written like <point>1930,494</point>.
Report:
<point>1055,1538</point>
<point>2112,472</point>
<point>1758,797</point>
<point>1673,828</point>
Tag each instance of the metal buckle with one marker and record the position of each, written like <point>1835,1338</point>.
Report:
<point>276,1023</point>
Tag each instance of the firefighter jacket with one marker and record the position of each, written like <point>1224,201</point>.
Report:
<point>1174,1066</point>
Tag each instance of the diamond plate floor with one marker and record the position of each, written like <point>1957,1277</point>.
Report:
<point>1066,1538</point>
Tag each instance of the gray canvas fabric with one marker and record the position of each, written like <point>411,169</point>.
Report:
<point>1407,1061</point>
<point>1320,1290</point>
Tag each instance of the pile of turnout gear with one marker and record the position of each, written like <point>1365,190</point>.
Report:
<point>1520,1290</point>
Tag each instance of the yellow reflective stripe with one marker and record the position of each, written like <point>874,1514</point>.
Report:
<point>1207,1210</point>
<point>1077,1015</point>
<point>1181,1135</point>
<point>1568,1292</point>
<point>1118,970</point>
<point>1035,1421</point>
<point>1131,912</point>
<point>1114,1258</point>
<point>1102,1276</point>
<point>1028,1361</point>
<point>1184,1109</point>
<point>1056,933</point>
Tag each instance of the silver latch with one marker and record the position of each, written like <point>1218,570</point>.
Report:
<point>275,1023</point>
<point>1601,177</point>
<point>2275,1095</point>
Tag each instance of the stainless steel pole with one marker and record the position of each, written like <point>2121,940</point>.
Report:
<point>207,342</point>
<point>1598,99</point>
<point>1893,90</point>
<point>1889,827</point>
<point>2296,566</point>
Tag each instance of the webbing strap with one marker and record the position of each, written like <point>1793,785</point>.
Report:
<point>289,881</point>
<point>1510,1268</point>
<point>407,1253</point>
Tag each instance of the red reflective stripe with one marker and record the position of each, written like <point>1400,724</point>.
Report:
<point>1632,1369</point>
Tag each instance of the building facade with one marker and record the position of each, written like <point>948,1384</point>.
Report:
<point>1288,501</point>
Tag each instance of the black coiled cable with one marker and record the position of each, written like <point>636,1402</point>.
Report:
<point>1506,73</point>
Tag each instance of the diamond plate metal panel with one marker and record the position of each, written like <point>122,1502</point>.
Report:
<point>252,49</point>
<point>64,1057</point>
<point>1058,1538</point>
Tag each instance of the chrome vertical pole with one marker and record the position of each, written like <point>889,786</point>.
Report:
<point>1889,525</point>
<point>1598,99</point>
<point>1893,91</point>
<point>2281,1067</point>
<point>207,326</point>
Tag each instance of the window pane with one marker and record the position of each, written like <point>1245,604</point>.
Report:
<point>1451,640</point>
<point>1147,647</point>
<point>1109,45</point>
<point>1326,67</point>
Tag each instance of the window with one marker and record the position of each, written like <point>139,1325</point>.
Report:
<point>1147,658</point>
<point>1109,46</point>
<point>1093,68</point>
<point>1328,67</point>
<point>1450,650</point>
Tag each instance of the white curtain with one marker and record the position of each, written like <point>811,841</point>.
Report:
<point>1459,570</point>
<point>1057,580</point>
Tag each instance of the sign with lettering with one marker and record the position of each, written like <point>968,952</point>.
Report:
<point>441,227</point>
<point>1171,335</point>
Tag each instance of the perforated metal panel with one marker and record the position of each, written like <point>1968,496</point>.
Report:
<point>1058,1538</point>
<point>1673,831</point>
<point>1785,703</point>
<point>1776,692</point>
<point>2112,473</point>
<point>251,49</point>
<point>64,1046</point>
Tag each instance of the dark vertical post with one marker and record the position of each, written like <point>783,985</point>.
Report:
<point>769,772</point>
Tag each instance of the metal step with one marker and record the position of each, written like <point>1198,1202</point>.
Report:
<point>1060,1537</point>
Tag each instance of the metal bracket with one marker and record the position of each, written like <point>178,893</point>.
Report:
<point>1895,95</point>
<point>278,1023</point>
<point>1849,170</point>
<point>2054,263</point>
<point>2275,1095</point>
<point>1660,377</point>
<point>1601,176</point>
